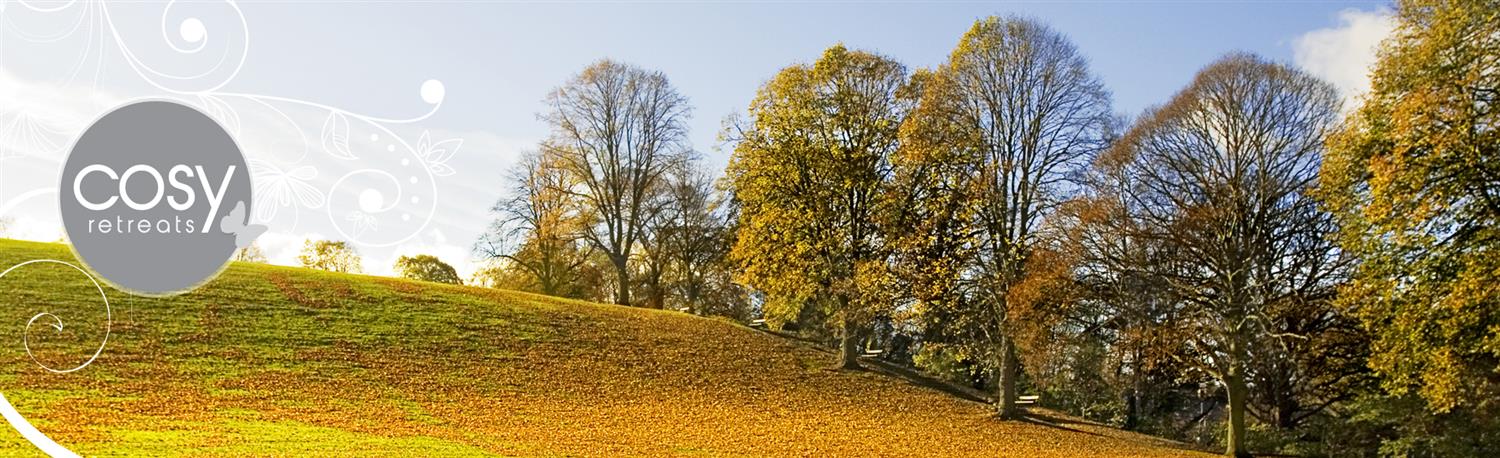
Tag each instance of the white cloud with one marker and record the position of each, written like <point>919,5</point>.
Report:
<point>1344,54</point>
<point>37,229</point>
<point>282,248</point>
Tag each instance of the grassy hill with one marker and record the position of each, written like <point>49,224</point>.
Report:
<point>272,360</point>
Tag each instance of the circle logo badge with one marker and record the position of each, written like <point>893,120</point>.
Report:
<point>155,198</point>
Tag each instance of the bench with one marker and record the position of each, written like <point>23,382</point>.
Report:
<point>758,323</point>
<point>1028,399</point>
<point>872,353</point>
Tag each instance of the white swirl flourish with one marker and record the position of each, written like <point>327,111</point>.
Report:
<point>8,411</point>
<point>191,36</point>
<point>57,323</point>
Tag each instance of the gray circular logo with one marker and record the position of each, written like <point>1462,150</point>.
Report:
<point>156,198</point>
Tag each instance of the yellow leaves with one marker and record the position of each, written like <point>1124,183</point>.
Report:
<point>493,371</point>
<point>1441,381</point>
<point>808,171</point>
<point>1410,177</point>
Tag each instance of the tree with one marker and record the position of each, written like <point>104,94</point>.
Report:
<point>808,170</point>
<point>697,237</point>
<point>493,274</point>
<point>617,132</point>
<point>1222,178</point>
<point>1414,179</point>
<point>426,267</point>
<point>1124,308</point>
<point>653,257</point>
<point>538,228</point>
<point>685,242</point>
<point>1000,129</point>
<point>251,253</point>
<point>329,255</point>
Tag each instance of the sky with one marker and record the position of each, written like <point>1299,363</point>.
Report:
<point>439,97</point>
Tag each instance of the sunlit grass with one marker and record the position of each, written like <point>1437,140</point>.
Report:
<point>271,360</point>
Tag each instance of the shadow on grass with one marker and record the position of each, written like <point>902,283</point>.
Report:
<point>911,376</point>
<point>1042,419</point>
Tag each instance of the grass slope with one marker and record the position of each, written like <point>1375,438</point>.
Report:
<point>272,360</point>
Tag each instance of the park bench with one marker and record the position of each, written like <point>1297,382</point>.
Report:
<point>1028,399</point>
<point>872,353</point>
<point>758,323</point>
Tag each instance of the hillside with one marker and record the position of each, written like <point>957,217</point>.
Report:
<point>302,362</point>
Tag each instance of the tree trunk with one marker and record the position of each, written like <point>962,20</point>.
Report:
<point>1005,386</point>
<point>1234,383</point>
<point>658,298</point>
<point>1286,410</point>
<point>1132,410</point>
<point>848,343</point>
<point>622,276</point>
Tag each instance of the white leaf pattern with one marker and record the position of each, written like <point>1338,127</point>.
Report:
<point>363,222</point>
<point>336,136</point>
<point>436,155</point>
<point>220,110</point>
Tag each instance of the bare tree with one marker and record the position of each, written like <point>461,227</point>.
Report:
<point>680,215</point>
<point>537,226</point>
<point>617,131</point>
<point>1222,177</point>
<point>697,239</point>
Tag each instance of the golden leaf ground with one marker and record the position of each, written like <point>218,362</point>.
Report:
<point>270,360</point>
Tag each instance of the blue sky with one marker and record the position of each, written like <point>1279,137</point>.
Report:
<point>497,60</point>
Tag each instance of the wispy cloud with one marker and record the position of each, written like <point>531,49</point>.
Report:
<point>1344,54</point>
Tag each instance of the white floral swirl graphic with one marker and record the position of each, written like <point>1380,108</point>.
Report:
<point>208,43</point>
<point>35,436</point>
<point>395,201</point>
<point>57,323</point>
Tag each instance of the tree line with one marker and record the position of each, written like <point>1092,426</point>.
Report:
<point>1251,262</point>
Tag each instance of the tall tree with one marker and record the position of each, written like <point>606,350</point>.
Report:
<point>538,227</point>
<point>1320,361</point>
<point>617,132</point>
<point>1414,178</point>
<point>1223,173</point>
<point>809,169</point>
<point>1001,128</point>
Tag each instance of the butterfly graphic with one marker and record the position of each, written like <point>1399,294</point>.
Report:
<point>237,223</point>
